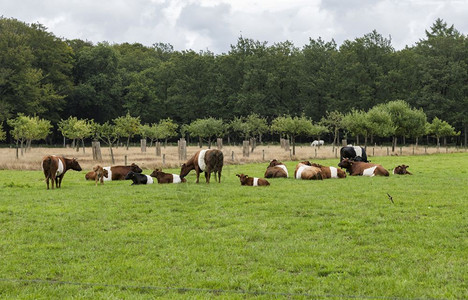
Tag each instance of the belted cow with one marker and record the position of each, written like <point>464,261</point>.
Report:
<point>166,177</point>
<point>305,170</point>
<point>207,161</point>
<point>55,167</point>
<point>252,181</point>
<point>355,153</point>
<point>115,172</point>
<point>139,178</point>
<point>356,168</point>
<point>330,172</point>
<point>276,169</point>
<point>401,170</point>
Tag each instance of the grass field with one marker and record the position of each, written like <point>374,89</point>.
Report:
<point>333,238</point>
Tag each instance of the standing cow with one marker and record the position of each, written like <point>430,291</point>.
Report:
<point>355,153</point>
<point>276,169</point>
<point>207,161</point>
<point>356,168</point>
<point>55,167</point>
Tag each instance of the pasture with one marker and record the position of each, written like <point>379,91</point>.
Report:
<point>336,238</point>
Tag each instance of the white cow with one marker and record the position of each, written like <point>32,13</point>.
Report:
<point>316,143</point>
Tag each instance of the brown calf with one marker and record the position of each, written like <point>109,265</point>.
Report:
<point>356,168</point>
<point>252,181</point>
<point>330,172</point>
<point>305,170</point>
<point>166,177</point>
<point>115,172</point>
<point>401,170</point>
<point>276,169</point>
<point>55,167</point>
<point>207,161</point>
<point>101,173</point>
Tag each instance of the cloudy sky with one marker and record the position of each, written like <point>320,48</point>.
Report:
<point>216,24</point>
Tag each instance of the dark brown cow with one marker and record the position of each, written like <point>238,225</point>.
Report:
<point>330,172</point>
<point>55,167</point>
<point>305,170</point>
<point>115,172</point>
<point>252,181</point>
<point>207,161</point>
<point>167,177</point>
<point>356,168</point>
<point>276,169</point>
<point>401,170</point>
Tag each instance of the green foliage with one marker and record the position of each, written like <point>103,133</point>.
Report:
<point>28,129</point>
<point>127,126</point>
<point>380,121</point>
<point>293,127</point>
<point>206,128</point>
<point>2,133</point>
<point>250,126</point>
<point>106,132</point>
<point>440,128</point>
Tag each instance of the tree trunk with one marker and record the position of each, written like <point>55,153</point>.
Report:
<point>417,141</point>
<point>466,133</point>
<point>365,142</point>
<point>293,140</point>
<point>82,143</point>
<point>357,140</point>
<point>112,154</point>
<point>394,143</point>
<point>438,142</point>
<point>165,143</point>
<point>128,142</point>
<point>22,150</point>
<point>200,142</point>
<point>445,141</point>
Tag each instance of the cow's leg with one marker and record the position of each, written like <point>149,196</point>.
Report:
<point>52,179</point>
<point>207,176</point>
<point>219,176</point>
<point>198,175</point>
<point>47,181</point>
<point>60,181</point>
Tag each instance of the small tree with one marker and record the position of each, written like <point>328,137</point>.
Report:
<point>20,126</point>
<point>357,124</point>
<point>206,129</point>
<point>76,129</point>
<point>27,129</point>
<point>293,127</point>
<point>401,115</point>
<point>440,128</point>
<point>127,126</point>
<point>167,129</point>
<point>108,134</point>
<point>380,122</point>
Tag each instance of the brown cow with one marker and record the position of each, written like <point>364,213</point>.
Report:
<point>207,161</point>
<point>276,169</point>
<point>101,173</point>
<point>356,168</point>
<point>55,167</point>
<point>167,177</point>
<point>115,172</point>
<point>252,181</point>
<point>305,170</point>
<point>330,172</point>
<point>401,170</point>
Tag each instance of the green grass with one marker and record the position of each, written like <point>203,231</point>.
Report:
<point>314,238</point>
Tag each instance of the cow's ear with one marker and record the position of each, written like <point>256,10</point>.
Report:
<point>238,175</point>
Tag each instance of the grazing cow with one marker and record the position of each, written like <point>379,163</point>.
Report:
<point>305,170</point>
<point>355,153</point>
<point>115,172</point>
<point>139,178</point>
<point>207,161</point>
<point>55,167</point>
<point>101,173</point>
<point>401,170</point>
<point>316,143</point>
<point>166,177</point>
<point>330,172</point>
<point>356,168</point>
<point>276,169</point>
<point>252,181</point>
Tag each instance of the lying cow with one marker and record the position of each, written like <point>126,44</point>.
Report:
<point>355,153</point>
<point>316,143</point>
<point>276,169</point>
<point>330,172</point>
<point>55,167</point>
<point>115,172</point>
<point>252,181</point>
<point>401,170</point>
<point>207,161</point>
<point>166,177</point>
<point>356,168</point>
<point>101,173</point>
<point>305,170</point>
<point>139,178</point>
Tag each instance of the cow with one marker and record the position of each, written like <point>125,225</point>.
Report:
<point>355,153</point>
<point>276,169</point>
<point>316,143</point>
<point>356,168</point>
<point>401,170</point>
<point>305,170</point>
<point>55,167</point>
<point>207,161</point>
<point>252,181</point>
<point>101,173</point>
<point>166,177</point>
<point>139,178</point>
<point>330,172</point>
<point>115,172</point>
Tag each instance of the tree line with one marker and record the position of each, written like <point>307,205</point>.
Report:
<point>51,78</point>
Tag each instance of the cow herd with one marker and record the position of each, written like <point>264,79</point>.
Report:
<point>352,158</point>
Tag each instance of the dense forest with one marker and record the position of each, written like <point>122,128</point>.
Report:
<point>52,78</point>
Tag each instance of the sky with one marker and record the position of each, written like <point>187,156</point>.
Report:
<point>215,25</point>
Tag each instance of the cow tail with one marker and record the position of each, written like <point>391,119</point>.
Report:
<point>46,164</point>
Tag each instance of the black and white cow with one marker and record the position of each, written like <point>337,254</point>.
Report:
<point>138,178</point>
<point>356,153</point>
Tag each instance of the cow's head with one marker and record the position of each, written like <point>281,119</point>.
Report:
<point>242,177</point>
<point>401,169</point>
<point>105,173</point>
<point>156,173</point>
<point>274,162</point>
<point>306,162</point>
<point>184,170</point>
<point>136,168</point>
<point>74,165</point>
<point>345,163</point>
<point>130,175</point>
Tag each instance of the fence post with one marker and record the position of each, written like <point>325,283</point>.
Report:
<point>164,159</point>
<point>158,148</point>
<point>125,159</point>
<point>182,149</point>
<point>286,145</point>
<point>232,156</point>
<point>96,149</point>
<point>245,148</point>
<point>263,154</point>
<point>388,152</point>
<point>143,145</point>
<point>401,150</point>
<point>219,143</point>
